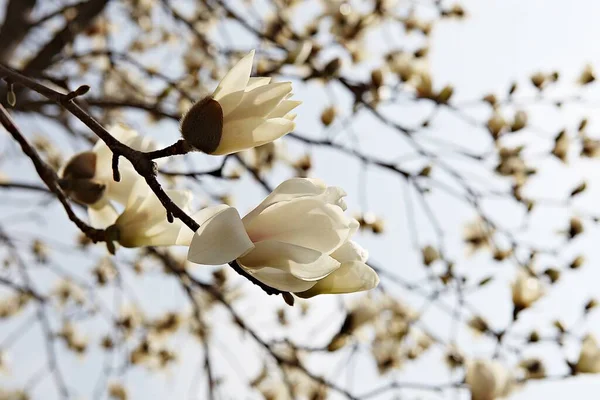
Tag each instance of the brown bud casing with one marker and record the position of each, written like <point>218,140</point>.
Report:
<point>202,125</point>
<point>81,166</point>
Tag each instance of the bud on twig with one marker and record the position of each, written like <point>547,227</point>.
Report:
<point>202,125</point>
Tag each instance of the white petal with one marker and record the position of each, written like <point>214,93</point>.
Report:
<point>102,214</point>
<point>280,280</point>
<point>255,82</point>
<point>237,77</point>
<point>251,132</point>
<point>221,237</point>
<point>230,102</point>
<point>283,108</point>
<point>287,190</point>
<point>350,251</point>
<point>301,262</point>
<point>120,191</point>
<point>261,101</point>
<point>304,221</point>
<point>352,276</point>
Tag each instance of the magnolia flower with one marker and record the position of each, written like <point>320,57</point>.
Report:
<point>488,380</point>
<point>242,113</point>
<point>88,177</point>
<point>589,356</point>
<point>143,222</point>
<point>297,240</point>
<point>526,289</point>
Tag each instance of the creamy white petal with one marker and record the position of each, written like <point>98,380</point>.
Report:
<point>352,276</point>
<point>287,190</point>
<point>283,108</point>
<point>304,221</point>
<point>303,263</point>
<point>251,132</point>
<point>237,77</point>
<point>221,237</point>
<point>230,102</point>
<point>261,101</point>
<point>120,191</point>
<point>350,251</point>
<point>255,82</point>
<point>280,280</point>
<point>102,214</point>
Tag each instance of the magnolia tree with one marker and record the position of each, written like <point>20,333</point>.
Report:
<point>139,132</point>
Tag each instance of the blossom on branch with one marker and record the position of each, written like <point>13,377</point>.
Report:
<point>242,113</point>
<point>88,177</point>
<point>143,222</point>
<point>296,240</point>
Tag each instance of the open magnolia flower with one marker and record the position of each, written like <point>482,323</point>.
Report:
<point>488,380</point>
<point>143,222</point>
<point>87,177</point>
<point>297,240</point>
<point>242,113</point>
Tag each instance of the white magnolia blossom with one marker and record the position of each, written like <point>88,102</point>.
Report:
<point>589,356</point>
<point>488,380</point>
<point>250,112</point>
<point>526,289</point>
<point>297,240</point>
<point>101,212</point>
<point>143,222</point>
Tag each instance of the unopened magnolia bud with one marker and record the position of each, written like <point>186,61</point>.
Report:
<point>575,227</point>
<point>491,99</point>
<point>202,125</point>
<point>577,262</point>
<point>445,94</point>
<point>81,166</point>
<point>587,76</point>
<point>430,255</point>
<point>579,189</point>
<point>328,116</point>
<point>553,274</point>
<point>496,124</point>
<point>377,77</point>
<point>519,122</point>
<point>84,191</point>
<point>332,67</point>
<point>538,80</point>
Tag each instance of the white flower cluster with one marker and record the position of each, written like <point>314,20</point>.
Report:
<point>297,240</point>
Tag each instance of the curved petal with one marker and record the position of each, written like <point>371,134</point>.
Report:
<point>230,102</point>
<point>304,221</point>
<point>350,251</point>
<point>303,263</point>
<point>280,280</point>
<point>255,82</point>
<point>221,237</point>
<point>287,190</point>
<point>261,101</point>
<point>120,191</point>
<point>246,133</point>
<point>352,276</point>
<point>283,108</point>
<point>102,214</point>
<point>237,77</point>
